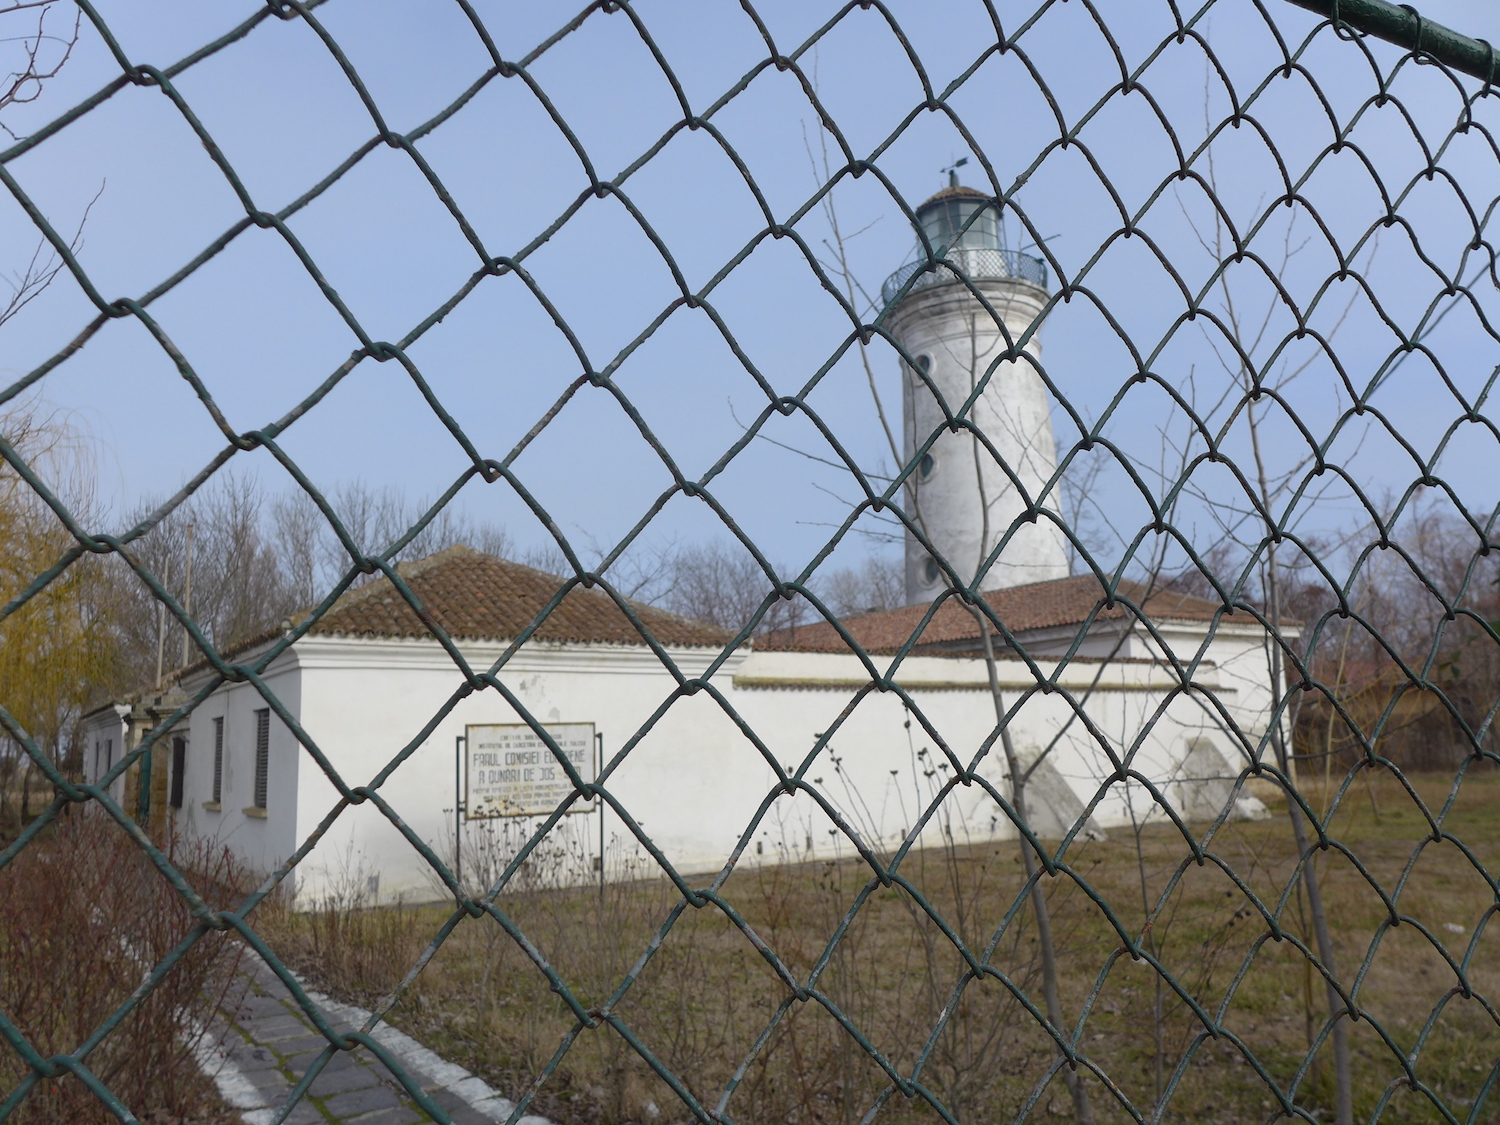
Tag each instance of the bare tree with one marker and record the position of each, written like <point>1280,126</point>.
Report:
<point>1246,391</point>
<point>1431,605</point>
<point>878,584</point>
<point>239,587</point>
<point>298,530</point>
<point>860,300</point>
<point>37,56</point>
<point>725,587</point>
<point>1047,947</point>
<point>314,559</point>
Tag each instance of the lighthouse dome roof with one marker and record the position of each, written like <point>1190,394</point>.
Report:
<point>954,191</point>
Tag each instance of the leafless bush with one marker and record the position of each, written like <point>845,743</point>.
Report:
<point>83,919</point>
<point>365,949</point>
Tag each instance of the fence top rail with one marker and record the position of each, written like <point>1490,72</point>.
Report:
<point>1402,25</point>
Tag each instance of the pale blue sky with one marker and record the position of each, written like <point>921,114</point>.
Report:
<point>261,335</point>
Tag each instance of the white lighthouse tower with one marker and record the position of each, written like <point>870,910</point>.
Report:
<point>965,499</point>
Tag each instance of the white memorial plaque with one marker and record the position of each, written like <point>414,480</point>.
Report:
<point>512,772</point>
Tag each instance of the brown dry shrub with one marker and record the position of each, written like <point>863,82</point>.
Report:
<point>364,949</point>
<point>83,917</point>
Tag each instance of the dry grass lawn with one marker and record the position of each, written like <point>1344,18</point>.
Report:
<point>707,1001</point>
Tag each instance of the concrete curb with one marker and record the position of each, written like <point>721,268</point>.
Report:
<point>263,1047</point>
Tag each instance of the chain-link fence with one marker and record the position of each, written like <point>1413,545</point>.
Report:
<point>1155,782</point>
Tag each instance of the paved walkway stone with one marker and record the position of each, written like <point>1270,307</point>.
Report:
<point>268,1044</point>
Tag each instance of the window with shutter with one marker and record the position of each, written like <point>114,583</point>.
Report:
<point>218,759</point>
<point>262,754</point>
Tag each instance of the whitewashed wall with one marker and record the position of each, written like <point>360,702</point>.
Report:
<point>694,780</point>
<point>261,843</point>
<point>960,340</point>
<point>105,737</point>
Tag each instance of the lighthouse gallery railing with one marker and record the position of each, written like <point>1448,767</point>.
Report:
<point>957,263</point>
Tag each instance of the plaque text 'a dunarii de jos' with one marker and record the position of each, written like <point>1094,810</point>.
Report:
<point>513,772</point>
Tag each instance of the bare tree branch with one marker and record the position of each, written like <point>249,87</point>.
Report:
<point>28,283</point>
<point>23,85</point>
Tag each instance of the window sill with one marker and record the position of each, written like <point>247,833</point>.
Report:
<point>212,806</point>
<point>255,811</point>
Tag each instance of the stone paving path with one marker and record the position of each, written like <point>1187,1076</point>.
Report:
<point>269,1044</point>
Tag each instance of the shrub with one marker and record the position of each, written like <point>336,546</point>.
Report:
<point>84,917</point>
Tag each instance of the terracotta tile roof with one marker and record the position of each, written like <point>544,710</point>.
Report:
<point>1038,605</point>
<point>475,596</point>
<point>478,597</point>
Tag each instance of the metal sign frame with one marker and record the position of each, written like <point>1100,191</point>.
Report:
<point>520,774</point>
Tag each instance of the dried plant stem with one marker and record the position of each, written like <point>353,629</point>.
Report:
<point>1082,1111</point>
<point>1344,1105</point>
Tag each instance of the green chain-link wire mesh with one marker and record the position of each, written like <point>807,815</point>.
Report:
<point>1438,278</point>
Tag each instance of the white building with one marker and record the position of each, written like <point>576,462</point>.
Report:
<point>380,703</point>
<point>813,741</point>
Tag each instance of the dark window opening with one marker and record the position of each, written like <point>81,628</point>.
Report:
<point>931,571</point>
<point>926,465</point>
<point>179,768</point>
